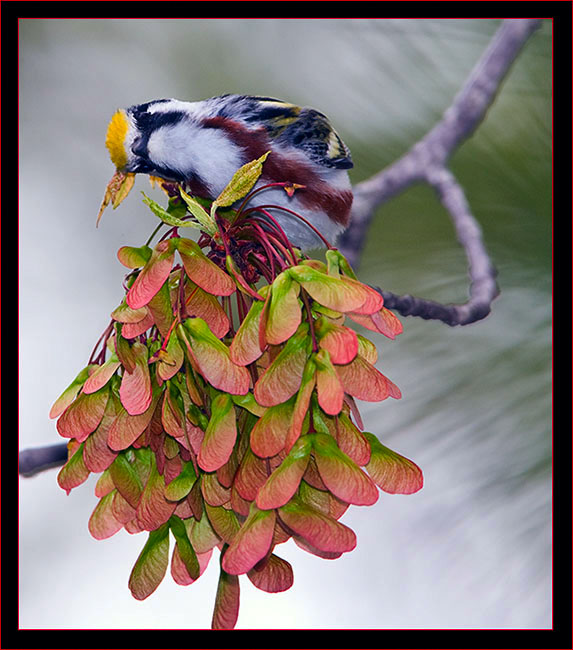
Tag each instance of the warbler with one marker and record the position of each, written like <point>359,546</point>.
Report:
<point>202,144</point>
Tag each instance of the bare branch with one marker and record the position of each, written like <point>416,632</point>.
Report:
<point>426,162</point>
<point>38,459</point>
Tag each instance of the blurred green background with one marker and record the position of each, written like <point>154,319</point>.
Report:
<point>473,548</point>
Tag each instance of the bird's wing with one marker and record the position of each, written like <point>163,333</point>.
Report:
<point>292,126</point>
<point>311,131</point>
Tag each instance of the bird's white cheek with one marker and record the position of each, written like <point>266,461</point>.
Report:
<point>192,150</point>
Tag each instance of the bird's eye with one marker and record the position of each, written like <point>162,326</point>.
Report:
<point>139,147</point>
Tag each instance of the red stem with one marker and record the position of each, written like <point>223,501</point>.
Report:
<point>264,241</point>
<point>263,208</point>
<point>269,248</point>
<point>280,232</point>
<point>100,358</point>
<point>240,214</point>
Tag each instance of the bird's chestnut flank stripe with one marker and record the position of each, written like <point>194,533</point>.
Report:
<point>317,194</point>
<point>219,404</point>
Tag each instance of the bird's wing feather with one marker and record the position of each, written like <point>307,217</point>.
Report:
<point>312,132</point>
<point>289,125</point>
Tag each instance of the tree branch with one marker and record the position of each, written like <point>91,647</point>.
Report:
<point>38,459</point>
<point>426,162</point>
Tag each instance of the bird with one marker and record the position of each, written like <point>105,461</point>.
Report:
<point>201,145</point>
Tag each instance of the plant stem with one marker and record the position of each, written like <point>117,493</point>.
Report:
<point>102,339</point>
<point>153,234</point>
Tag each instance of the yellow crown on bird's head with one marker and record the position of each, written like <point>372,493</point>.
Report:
<point>115,138</point>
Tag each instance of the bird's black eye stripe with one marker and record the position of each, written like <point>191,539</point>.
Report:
<point>148,122</point>
<point>142,108</point>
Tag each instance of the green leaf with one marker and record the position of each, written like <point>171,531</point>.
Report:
<point>179,572</point>
<point>366,349</point>
<point>227,599</point>
<point>284,481</point>
<point>245,345</point>
<point>200,303</point>
<point>186,551</point>
<point>74,472</point>
<point>333,263</point>
<point>126,479</point>
<point>329,291</point>
<point>268,436</point>
<point>249,403</point>
<point>302,403</point>
<point>203,271</point>
<point>103,523</point>
<point>202,536</point>
<point>166,216</point>
<point>151,565</point>
<point>328,385</point>
<point>154,509</point>
<point>391,471</point>
<point>284,315</point>
<point>251,543</point>
<point>213,358</point>
<point>135,391</point>
<point>181,485</point>
<point>170,360</point>
<point>339,293</point>
<point>125,314</point>
<point>340,473</point>
<point>162,310</point>
<point>363,381</point>
<point>320,530</point>
<point>207,224</point>
<point>123,350</point>
<point>240,185</point>
<point>151,278</point>
<point>220,435</point>
<point>272,574</point>
<point>335,257</point>
<point>282,379</point>
<point>84,415</point>
<point>223,521</point>
<point>132,257</point>
<point>69,395</point>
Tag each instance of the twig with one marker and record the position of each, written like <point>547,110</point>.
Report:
<point>38,459</point>
<point>426,162</point>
